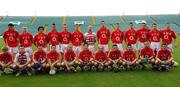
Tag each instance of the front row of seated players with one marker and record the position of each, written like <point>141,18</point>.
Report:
<point>87,60</point>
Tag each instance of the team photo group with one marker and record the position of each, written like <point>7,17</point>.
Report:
<point>65,51</point>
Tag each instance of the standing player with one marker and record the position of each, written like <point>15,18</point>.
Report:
<point>129,58</point>
<point>11,37</point>
<point>117,37</point>
<point>103,37</point>
<point>90,38</point>
<point>131,36</point>
<point>26,40</point>
<point>53,59</point>
<point>41,39</point>
<point>39,59</point>
<point>85,58</point>
<point>65,39</point>
<point>77,39</point>
<point>54,37</point>
<point>22,62</point>
<point>168,37</point>
<point>164,58</point>
<point>6,59</point>
<point>155,36</point>
<point>143,35</point>
<point>69,59</point>
<point>146,55</point>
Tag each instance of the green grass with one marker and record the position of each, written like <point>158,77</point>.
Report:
<point>137,78</point>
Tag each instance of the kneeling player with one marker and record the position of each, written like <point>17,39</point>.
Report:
<point>22,62</point>
<point>70,59</point>
<point>100,60</point>
<point>53,59</point>
<point>129,60</point>
<point>85,58</point>
<point>146,55</point>
<point>115,56</point>
<point>164,59</point>
<point>6,59</point>
<point>39,59</point>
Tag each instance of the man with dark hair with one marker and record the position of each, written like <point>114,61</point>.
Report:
<point>103,36</point>
<point>85,58</point>
<point>155,36</point>
<point>54,37</point>
<point>131,36</point>
<point>41,39</point>
<point>117,37</point>
<point>11,38</point>
<point>164,58</point>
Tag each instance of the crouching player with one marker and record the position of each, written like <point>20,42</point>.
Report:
<point>100,61</point>
<point>115,56</point>
<point>146,55</point>
<point>129,60</point>
<point>69,59</point>
<point>6,60</point>
<point>22,62</point>
<point>53,60</point>
<point>39,59</point>
<point>85,58</point>
<point>164,59</point>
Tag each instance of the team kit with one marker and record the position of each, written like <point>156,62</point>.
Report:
<point>70,52</point>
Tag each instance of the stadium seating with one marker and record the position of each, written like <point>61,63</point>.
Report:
<point>88,20</point>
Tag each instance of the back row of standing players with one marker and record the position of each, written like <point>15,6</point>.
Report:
<point>61,39</point>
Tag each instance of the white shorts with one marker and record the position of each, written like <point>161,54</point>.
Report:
<point>77,49</point>
<point>91,48</point>
<point>29,50</point>
<point>106,47</point>
<point>140,45</point>
<point>170,46</point>
<point>57,48</point>
<point>13,49</point>
<point>155,45</point>
<point>119,46</point>
<point>134,47</point>
<point>63,47</point>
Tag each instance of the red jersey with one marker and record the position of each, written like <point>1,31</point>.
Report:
<point>129,55</point>
<point>69,55</point>
<point>65,37</point>
<point>11,38</point>
<point>6,58</point>
<point>101,56</point>
<point>53,56</point>
<point>103,36</point>
<point>41,39</point>
<point>77,38</point>
<point>117,36</point>
<point>130,36</point>
<point>143,35</point>
<point>39,55</point>
<point>26,39</point>
<point>146,52</point>
<point>90,38</point>
<point>54,37</point>
<point>164,55</point>
<point>155,35</point>
<point>116,54</point>
<point>85,55</point>
<point>167,36</point>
